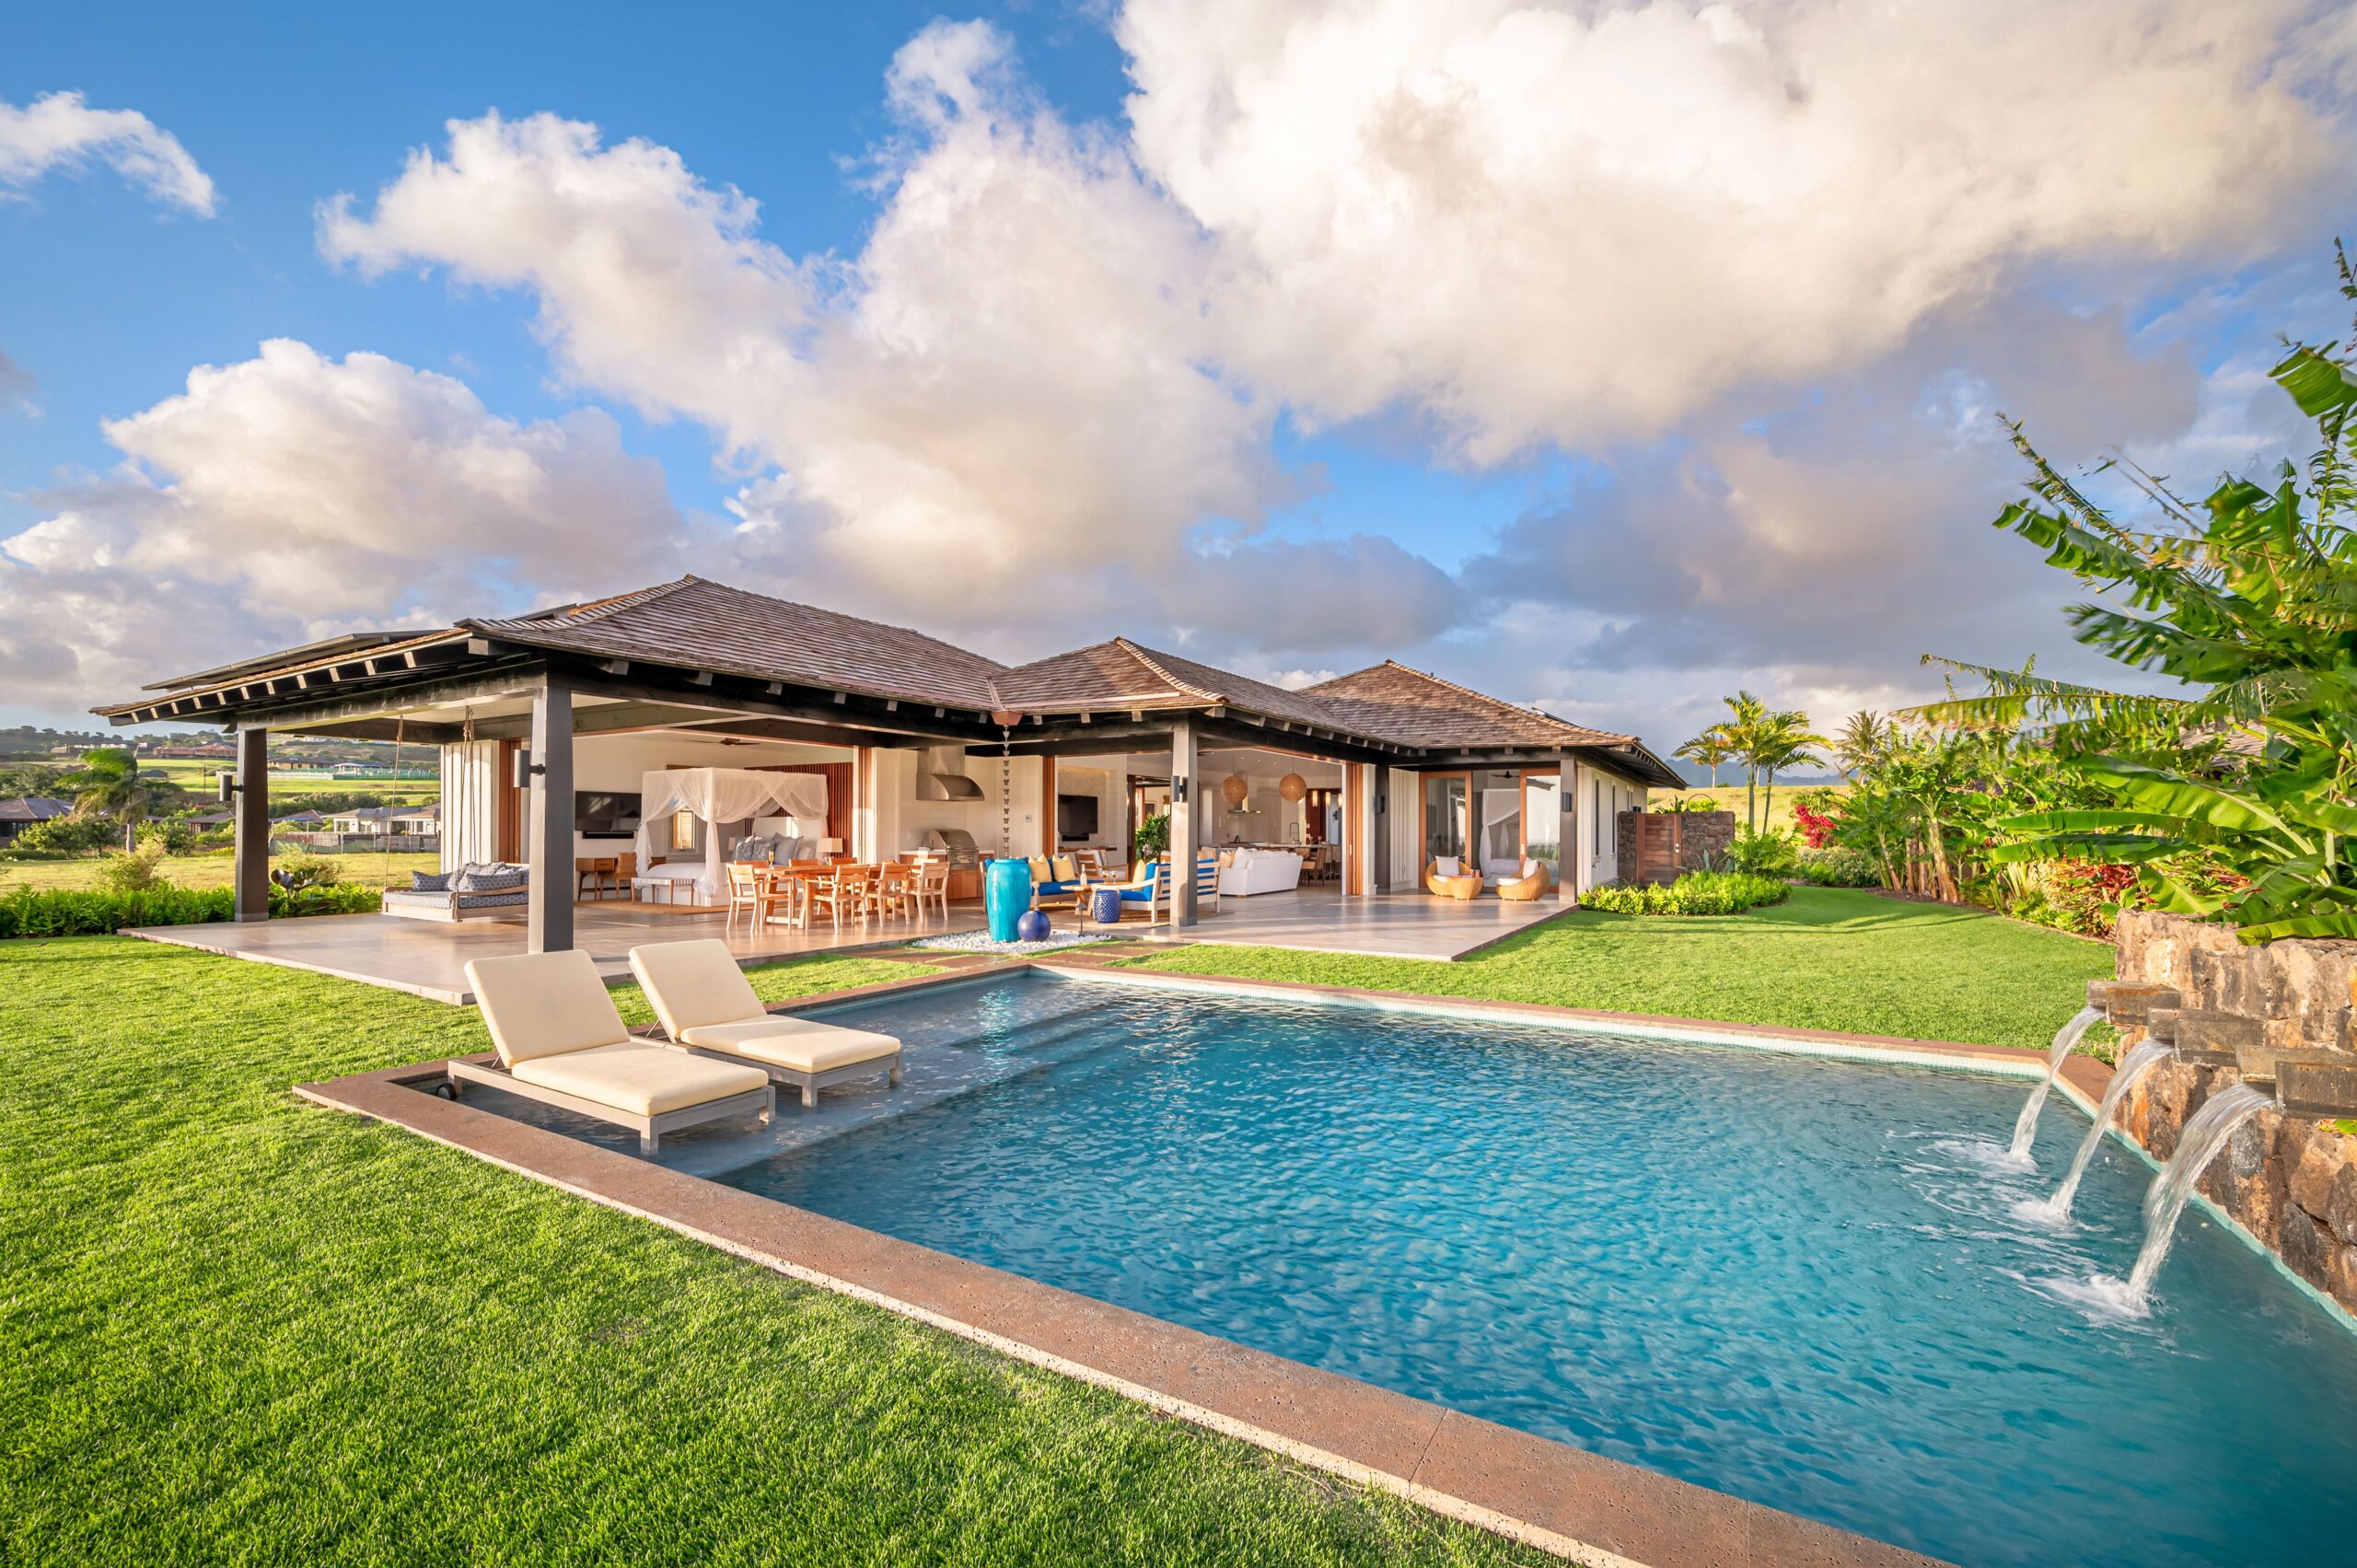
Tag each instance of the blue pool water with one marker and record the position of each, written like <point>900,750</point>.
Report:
<point>1781,1277</point>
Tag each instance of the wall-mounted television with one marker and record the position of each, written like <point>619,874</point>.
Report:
<point>1075,816</point>
<point>604,814</point>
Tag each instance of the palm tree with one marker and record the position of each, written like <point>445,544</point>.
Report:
<point>1780,740</point>
<point>107,785</point>
<point>1865,740</point>
<point>1709,750</point>
<point>1747,712</point>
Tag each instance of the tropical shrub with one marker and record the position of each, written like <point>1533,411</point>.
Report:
<point>69,835</point>
<point>1771,853</point>
<point>1151,838</point>
<point>1696,892</point>
<point>303,869</point>
<point>1670,805</point>
<point>1814,826</point>
<point>2238,803</point>
<point>136,871</point>
<point>1837,866</point>
<point>92,912</point>
<point>177,838</point>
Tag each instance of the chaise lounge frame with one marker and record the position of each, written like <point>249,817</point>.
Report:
<point>650,1129</point>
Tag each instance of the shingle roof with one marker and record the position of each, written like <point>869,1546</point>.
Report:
<point>707,625</point>
<point>1421,709</point>
<point>715,627</point>
<point>1122,674</point>
<point>32,809</point>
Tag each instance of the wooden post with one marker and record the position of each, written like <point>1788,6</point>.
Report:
<point>251,874</point>
<point>549,841</point>
<point>1567,829</point>
<point>1183,785</point>
<point>1379,817</point>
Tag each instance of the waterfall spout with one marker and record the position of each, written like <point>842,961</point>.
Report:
<point>2066,1039</point>
<point>2139,1061</point>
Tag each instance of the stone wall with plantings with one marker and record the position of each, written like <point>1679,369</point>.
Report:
<point>2291,1181</point>
<point>1704,839</point>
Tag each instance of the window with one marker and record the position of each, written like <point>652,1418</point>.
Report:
<point>683,830</point>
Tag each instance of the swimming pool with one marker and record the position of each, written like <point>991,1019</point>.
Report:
<point>1782,1277</point>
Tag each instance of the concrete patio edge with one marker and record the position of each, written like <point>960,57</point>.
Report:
<point>1597,1511</point>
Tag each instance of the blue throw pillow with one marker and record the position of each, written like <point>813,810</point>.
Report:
<point>430,881</point>
<point>491,878</point>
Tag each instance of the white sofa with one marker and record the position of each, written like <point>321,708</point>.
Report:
<point>1251,871</point>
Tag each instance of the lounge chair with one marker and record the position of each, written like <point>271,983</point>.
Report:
<point>1448,877</point>
<point>1529,885</point>
<point>708,1008</point>
<point>560,1042</point>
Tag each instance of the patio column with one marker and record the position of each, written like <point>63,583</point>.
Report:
<point>547,844</point>
<point>1183,785</point>
<point>1567,829</point>
<point>250,873</point>
<point>1378,820</point>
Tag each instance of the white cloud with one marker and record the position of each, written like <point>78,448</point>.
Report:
<point>58,130</point>
<point>1012,379</point>
<point>292,495</point>
<point>1538,224</point>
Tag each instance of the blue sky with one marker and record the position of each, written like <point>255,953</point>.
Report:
<point>1607,359</point>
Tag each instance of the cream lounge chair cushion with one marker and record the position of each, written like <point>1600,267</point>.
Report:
<point>647,1080</point>
<point>694,983</point>
<point>544,1004</point>
<point>802,1044</point>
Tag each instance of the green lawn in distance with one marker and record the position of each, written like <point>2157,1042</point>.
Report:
<point>214,870</point>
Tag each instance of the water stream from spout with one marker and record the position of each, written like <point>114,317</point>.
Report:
<point>2204,1135</point>
<point>2066,1039</point>
<point>2139,1061</point>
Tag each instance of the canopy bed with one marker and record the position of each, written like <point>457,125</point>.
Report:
<point>788,809</point>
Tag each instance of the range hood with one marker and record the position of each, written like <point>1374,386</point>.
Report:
<point>941,775</point>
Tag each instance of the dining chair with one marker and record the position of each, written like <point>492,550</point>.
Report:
<point>751,887</point>
<point>932,887</point>
<point>895,890</point>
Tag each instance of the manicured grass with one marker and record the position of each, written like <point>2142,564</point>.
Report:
<point>213,870</point>
<point>1826,959</point>
<point>235,1327</point>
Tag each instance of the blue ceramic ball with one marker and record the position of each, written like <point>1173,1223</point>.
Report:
<point>1031,927</point>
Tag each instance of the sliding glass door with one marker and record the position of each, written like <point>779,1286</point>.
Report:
<point>1447,824</point>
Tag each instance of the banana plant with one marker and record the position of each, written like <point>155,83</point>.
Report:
<point>2233,801</point>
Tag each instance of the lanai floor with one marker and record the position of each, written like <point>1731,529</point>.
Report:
<point>430,958</point>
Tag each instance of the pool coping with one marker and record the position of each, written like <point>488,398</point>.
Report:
<point>1601,1512</point>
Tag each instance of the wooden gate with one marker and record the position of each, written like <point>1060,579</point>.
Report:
<point>1661,845</point>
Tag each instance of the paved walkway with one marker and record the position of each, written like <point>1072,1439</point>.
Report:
<point>1393,925</point>
<point>429,958</point>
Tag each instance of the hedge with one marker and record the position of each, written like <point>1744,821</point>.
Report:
<point>59,911</point>
<point>1696,892</point>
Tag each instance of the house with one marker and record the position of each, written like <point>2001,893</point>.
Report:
<point>375,822</point>
<point>21,811</point>
<point>548,726</point>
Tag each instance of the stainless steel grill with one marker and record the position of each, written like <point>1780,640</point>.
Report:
<point>957,844</point>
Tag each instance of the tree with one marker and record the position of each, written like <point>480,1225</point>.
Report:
<point>1708,750</point>
<point>108,785</point>
<point>1780,740</point>
<point>2234,803</point>
<point>1864,739</point>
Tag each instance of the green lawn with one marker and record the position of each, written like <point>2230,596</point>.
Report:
<point>234,1327</point>
<point>1828,959</point>
<point>1729,797</point>
<point>211,870</point>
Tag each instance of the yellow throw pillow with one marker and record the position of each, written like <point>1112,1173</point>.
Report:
<point>1041,869</point>
<point>1067,868</point>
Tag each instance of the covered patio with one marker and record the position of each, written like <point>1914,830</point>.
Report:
<point>556,731</point>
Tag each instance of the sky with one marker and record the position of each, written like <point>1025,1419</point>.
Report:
<point>1607,357</point>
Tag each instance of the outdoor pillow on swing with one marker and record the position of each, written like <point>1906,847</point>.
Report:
<point>430,881</point>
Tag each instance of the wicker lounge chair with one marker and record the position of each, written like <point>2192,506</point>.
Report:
<point>1531,884</point>
<point>708,1008</point>
<point>1459,882</point>
<point>560,1042</point>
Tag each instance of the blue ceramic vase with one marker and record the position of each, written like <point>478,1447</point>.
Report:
<point>1007,895</point>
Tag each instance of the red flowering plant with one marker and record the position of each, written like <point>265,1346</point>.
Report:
<point>1814,826</point>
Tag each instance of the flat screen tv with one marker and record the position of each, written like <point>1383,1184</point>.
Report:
<point>603,814</point>
<point>1075,816</point>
